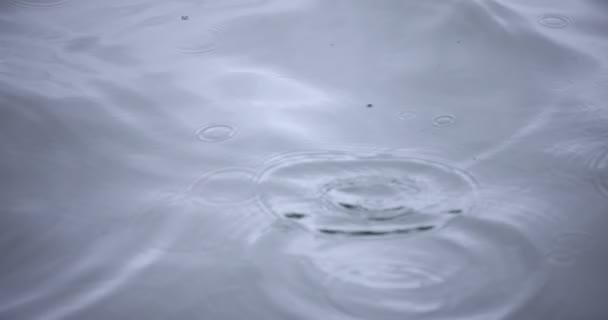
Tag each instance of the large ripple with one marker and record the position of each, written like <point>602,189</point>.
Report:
<point>365,195</point>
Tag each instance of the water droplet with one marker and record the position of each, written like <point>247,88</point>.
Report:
<point>216,133</point>
<point>407,115</point>
<point>372,198</point>
<point>444,120</point>
<point>228,186</point>
<point>554,21</point>
<point>363,195</point>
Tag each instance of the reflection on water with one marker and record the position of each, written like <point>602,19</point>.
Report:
<point>263,159</point>
<point>467,271</point>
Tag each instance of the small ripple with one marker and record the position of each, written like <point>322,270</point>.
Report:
<point>407,115</point>
<point>229,186</point>
<point>451,274</point>
<point>444,120</point>
<point>202,42</point>
<point>40,3</point>
<point>216,133</point>
<point>554,21</point>
<point>365,195</point>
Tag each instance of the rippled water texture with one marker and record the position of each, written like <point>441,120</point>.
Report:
<point>303,159</point>
<point>365,195</point>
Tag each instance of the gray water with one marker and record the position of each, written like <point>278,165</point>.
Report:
<point>303,159</point>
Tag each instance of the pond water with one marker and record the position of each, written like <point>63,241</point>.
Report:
<point>303,159</point>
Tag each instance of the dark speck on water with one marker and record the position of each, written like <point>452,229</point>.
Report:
<point>329,231</point>
<point>375,232</point>
<point>185,17</point>
<point>368,233</point>
<point>455,211</point>
<point>295,215</point>
<point>369,105</point>
<point>347,205</point>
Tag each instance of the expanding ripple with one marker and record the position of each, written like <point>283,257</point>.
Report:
<point>554,21</point>
<point>468,270</point>
<point>444,120</point>
<point>369,195</point>
<point>216,133</point>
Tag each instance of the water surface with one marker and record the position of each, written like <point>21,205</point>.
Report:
<point>304,159</point>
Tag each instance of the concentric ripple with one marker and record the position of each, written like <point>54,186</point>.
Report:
<point>554,21</point>
<point>216,133</point>
<point>444,120</point>
<point>365,195</point>
<point>469,270</point>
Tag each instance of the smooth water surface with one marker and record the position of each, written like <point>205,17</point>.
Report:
<point>304,159</point>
